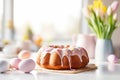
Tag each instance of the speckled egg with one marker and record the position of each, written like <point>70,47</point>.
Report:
<point>26,65</point>
<point>24,54</point>
<point>15,62</point>
<point>4,66</point>
<point>112,59</point>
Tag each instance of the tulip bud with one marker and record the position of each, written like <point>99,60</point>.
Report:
<point>115,17</point>
<point>97,12</point>
<point>86,12</point>
<point>109,11</point>
<point>114,6</point>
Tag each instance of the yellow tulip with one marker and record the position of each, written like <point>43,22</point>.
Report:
<point>104,9</point>
<point>98,5</point>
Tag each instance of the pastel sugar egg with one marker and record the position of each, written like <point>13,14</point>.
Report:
<point>4,66</point>
<point>26,65</point>
<point>15,62</point>
<point>24,54</point>
<point>112,58</point>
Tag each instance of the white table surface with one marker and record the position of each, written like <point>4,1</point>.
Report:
<point>105,71</point>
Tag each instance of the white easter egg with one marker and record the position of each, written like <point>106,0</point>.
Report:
<point>10,51</point>
<point>4,66</point>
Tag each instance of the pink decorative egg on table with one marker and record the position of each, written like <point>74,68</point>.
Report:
<point>26,65</point>
<point>112,58</point>
<point>24,54</point>
<point>15,62</point>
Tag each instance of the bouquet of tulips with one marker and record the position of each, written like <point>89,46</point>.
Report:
<point>102,20</point>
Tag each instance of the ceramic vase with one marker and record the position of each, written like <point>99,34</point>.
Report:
<point>103,49</point>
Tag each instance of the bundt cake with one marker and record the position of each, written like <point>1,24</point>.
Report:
<point>62,57</point>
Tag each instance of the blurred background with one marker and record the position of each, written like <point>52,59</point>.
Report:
<point>49,19</point>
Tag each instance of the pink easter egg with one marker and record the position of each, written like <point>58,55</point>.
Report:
<point>26,65</point>
<point>24,54</point>
<point>15,62</point>
<point>112,59</point>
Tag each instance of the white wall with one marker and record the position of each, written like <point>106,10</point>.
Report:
<point>48,17</point>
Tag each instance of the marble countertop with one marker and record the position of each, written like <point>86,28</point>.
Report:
<point>105,71</point>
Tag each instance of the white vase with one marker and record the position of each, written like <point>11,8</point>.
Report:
<point>103,49</point>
